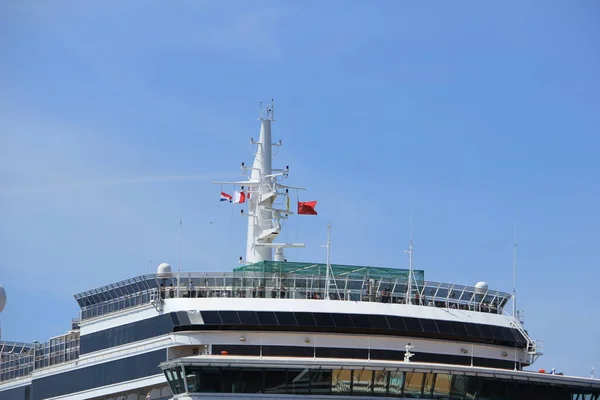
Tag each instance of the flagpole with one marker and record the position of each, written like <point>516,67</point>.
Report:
<point>327,274</point>
<point>179,259</point>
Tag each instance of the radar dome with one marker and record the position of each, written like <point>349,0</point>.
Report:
<point>481,287</point>
<point>2,298</point>
<point>164,271</point>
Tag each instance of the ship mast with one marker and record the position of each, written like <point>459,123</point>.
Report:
<point>263,188</point>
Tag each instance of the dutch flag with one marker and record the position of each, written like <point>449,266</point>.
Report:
<point>225,197</point>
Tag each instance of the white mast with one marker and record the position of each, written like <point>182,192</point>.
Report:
<point>264,220</point>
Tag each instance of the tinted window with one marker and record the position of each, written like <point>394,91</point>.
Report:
<point>445,327</point>
<point>305,319</point>
<point>108,373</point>
<point>496,332</point>
<point>211,318</point>
<point>507,334</point>
<point>459,328</point>
<point>127,333</point>
<point>473,330</point>
<point>248,318</point>
<point>429,325</point>
<point>266,318</point>
<point>324,319</point>
<point>413,325</point>
<point>286,318</point>
<point>378,322</point>
<point>486,331</point>
<point>229,317</point>
<point>360,320</point>
<point>396,323</point>
<point>342,321</point>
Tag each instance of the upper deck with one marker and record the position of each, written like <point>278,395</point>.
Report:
<point>292,280</point>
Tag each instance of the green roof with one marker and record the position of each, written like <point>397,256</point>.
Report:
<point>339,271</point>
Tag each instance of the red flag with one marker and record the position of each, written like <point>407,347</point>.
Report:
<point>307,207</point>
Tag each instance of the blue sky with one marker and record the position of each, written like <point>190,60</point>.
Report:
<point>116,116</point>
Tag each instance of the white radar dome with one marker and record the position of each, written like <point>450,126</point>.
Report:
<point>481,287</point>
<point>2,298</point>
<point>164,271</point>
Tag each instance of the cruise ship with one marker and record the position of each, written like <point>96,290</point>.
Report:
<point>278,329</point>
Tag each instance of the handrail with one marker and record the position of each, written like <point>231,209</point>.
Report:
<point>304,286</point>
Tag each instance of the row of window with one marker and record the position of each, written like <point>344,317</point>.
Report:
<point>127,333</point>
<point>361,353</point>
<point>96,376</point>
<point>304,321</point>
<point>359,382</point>
<point>364,323</point>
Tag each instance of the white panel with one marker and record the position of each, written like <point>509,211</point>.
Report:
<point>334,306</point>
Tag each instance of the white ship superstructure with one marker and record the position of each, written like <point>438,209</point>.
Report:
<point>279,329</point>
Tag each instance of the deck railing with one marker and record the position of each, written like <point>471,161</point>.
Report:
<point>299,286</point>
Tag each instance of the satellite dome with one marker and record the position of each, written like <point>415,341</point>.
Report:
<point>2,298</point>
<point>164,271</point>
<point>481,287</point>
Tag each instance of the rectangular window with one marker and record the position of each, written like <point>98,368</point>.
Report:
<point>414,384</point>
<point>248,318</point>
<point>267,318</point>
<point>362,382</point>
<point>341,381</point>
<point>320,381</point>
<point>443,383</point>
<point>380,383</point>
<point>396,383</point>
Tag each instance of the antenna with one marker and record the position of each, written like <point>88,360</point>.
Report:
<point>410,269</point>
<point>515,270</point>
<point>327,274</point>
<point>179,259</point>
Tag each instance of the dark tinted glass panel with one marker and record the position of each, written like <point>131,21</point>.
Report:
<point>459,329</point>
<point>248,318</point>
<point>323,319</point>
<point>396,323</point>
<point>108,373</point>
<point>378,322</point>
<point>519,337</point>
<point>203,380</point>
<point>360,320</point>
<point>413,324</point>
<point>267,318</point>
<point>229,317</point>
<point>507,334</point>
<point>445,327</point>
<point>183,317</point>
<point>472,330</point>
<point>342,321</point>
<point>305,319</point>
<point>429,325</point>
<point>127,333</point>
<point>497,332</point>
<point>320,381</point>
<point>275,381</point>
<point>486,331</point>
<point>211,318</point>
<point>175,319</point>
<point>286,318</point>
